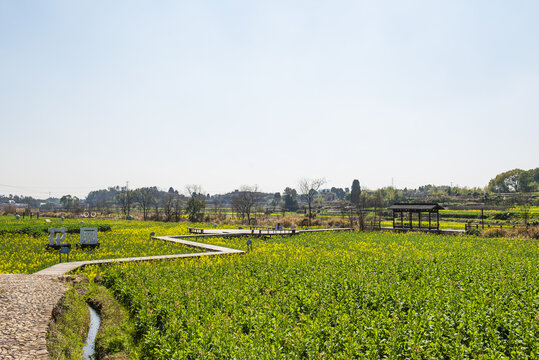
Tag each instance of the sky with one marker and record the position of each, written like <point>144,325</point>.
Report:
<point>228,93</point>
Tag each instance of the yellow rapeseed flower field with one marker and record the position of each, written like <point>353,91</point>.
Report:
<point>23,253</point>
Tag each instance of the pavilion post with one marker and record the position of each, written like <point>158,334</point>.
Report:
<point>419,208</point>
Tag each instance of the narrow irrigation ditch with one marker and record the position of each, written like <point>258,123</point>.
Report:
<point>88,351</point>
<point>89,323</point>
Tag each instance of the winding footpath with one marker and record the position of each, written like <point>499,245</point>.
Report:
<point>27,301</point>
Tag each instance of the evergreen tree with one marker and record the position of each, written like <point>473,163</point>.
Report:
<point>355,195</point>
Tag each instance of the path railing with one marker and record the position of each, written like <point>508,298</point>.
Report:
<point>469,226</point>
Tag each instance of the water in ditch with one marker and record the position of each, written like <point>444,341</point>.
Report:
<point>88,352</point>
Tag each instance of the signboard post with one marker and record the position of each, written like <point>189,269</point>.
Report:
<point>64,250</point>
<point>151,235</point>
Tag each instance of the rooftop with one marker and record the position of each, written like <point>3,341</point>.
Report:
<point>415,207</point>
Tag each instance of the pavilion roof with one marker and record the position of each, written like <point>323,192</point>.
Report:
<point>415,207</point>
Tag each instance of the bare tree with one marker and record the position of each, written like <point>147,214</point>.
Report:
<point>177,207</point>
<point>218,208</point>
<point>378,203</point>
<point>168,205</point>
<point>361,210</point>
<point>156,205</point>
<point>196,205</point>
<point>145,198</point>
<point>194,189</point>
<point>245,201</point>
<point>125,198</point>
<point>525,210</point>
<point>309,189</point>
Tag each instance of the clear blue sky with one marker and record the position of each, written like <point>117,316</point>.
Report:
<point>225,93</point>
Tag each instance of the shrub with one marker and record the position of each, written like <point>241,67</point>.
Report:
<point>494,232</point>
<point>503,216</point>
<point>288,221</point>
<point>531,232</point>
<point>40,230</point>
<point>338,222</point>
<point>305,222</point>
<point>473,232</point>
<point>9,209</point>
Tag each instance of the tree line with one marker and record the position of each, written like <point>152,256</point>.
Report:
<point>308,197</point>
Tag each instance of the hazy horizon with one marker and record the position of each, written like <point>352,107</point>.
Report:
<point>182,190</point>
<point>224,94</point>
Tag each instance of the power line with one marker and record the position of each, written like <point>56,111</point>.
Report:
<point>38,191</point>
<point>44,187</point>
<point>25,188</point>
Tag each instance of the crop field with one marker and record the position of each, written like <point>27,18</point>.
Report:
<point>22,242</point>
<point>338,296</point>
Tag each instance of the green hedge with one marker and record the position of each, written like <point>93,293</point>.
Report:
<point>41,230</point>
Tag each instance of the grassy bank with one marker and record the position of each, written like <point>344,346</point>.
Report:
<point>69,326</point>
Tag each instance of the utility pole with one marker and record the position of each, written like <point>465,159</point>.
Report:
<point>482,220</point>
<point>127,199</point>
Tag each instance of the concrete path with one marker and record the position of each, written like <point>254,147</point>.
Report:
<point>26,303</point>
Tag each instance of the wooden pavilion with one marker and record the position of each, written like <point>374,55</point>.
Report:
<point>415,211</point>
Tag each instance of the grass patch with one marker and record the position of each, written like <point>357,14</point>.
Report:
<point>69,327</point>
<point>114,338</point>
<point>70,322</point>
<point>40,229</point>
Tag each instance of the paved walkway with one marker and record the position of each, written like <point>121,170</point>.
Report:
<point>26,303</point>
